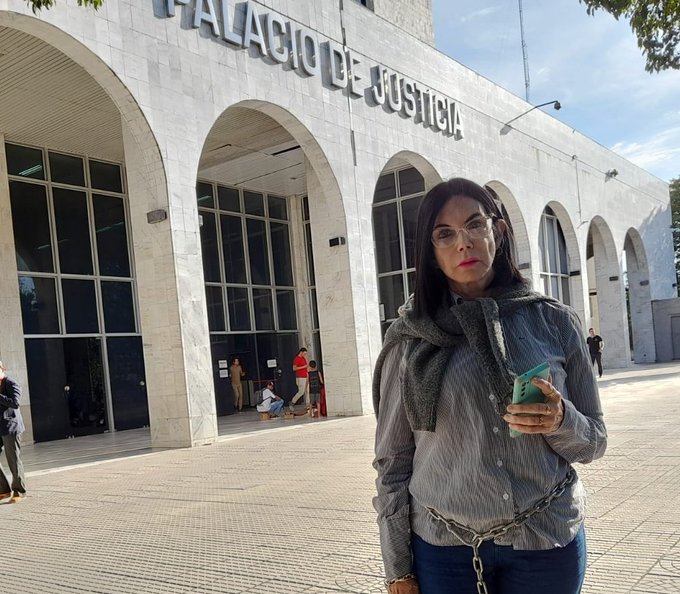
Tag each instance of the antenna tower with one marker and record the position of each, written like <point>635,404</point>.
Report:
<point>524,52</point>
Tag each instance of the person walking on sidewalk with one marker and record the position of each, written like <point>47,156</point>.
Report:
<point>11,428</point>
<point>463,504</point>
<point>595,346</point>
<point>301,373</point>
<point>315,380</point>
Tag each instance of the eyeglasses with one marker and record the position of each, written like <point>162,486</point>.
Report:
<point>477,228</point>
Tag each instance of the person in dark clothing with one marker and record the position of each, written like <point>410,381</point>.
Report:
<point>595,346</point>
<point>315,381</point>
<point>11,428</point>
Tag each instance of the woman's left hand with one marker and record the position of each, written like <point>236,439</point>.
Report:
<point>542,417</point>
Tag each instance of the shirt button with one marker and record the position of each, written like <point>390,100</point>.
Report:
<point>506,496</point>
<point>492,397</point>
<point>495,429</point>
<point>499,463</point>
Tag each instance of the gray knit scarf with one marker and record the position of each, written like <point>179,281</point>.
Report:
<point>475,323</point>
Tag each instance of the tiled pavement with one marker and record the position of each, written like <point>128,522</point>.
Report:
<point>287,509</point>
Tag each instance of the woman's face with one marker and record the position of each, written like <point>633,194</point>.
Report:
<point>467,262</point>
<point>236,361</point>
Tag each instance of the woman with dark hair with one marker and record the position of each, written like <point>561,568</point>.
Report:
<point>463,506</point>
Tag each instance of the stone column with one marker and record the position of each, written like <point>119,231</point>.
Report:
<point>12,352</point>
<point>640,303</point>
<point>172,304</point>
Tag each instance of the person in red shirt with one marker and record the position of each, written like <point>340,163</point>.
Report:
<point>300,369</point>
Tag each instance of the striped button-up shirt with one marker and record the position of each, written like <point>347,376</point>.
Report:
<point>470,469</point>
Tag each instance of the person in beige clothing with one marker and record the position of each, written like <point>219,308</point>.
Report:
<point>237,374</point>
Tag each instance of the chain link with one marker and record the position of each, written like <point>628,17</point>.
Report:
<point>477,538</point>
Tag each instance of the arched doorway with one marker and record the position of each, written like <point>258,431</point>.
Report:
<point>606,291</point>
<point>268,203</point>
<point>399,190</point>
<point>638,299</point>
<point>79,147</point>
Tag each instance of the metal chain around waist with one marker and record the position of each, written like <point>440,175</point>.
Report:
<point>479,537</point>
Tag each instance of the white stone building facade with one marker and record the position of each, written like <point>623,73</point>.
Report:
<point>286,114</point>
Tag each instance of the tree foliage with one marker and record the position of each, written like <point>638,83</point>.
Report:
<point>675,213</point>
<point>37,5</point>
<point>655,24</point>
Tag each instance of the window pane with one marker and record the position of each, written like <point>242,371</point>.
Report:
<point>66,169</point>
<point>258,249</point>
<point>38,305</point>
<point>411,278</point>
<point>24,161</point>
<point>391,294</point>
<point>555,287</point>
<point>386,188</point>
<point>73,231</point>
<point>541,243</point>
<point>228,199</point>
<point>215,308</point>
<point>285,302</point>
<point>315,309</point>
<point>105,176</point>
<point>262,304</point>
<point>283,267</point>
<point>387,238</point>
<point>552,246</point>
<point>204,195</point>
<point>566,294</point>
<point>80,306</point>
<point>111,233</point>
<point>119,313</point>
<point>209,247</point>
<point>562,244</point>
<point>239,310</point>
<point>409,214</point>
<point>277,207</point>
<point>410,182</point>
<point>232,249</point>
<point>253,203</point>
<point>31,227</point>
<point>305,208</point>
<point>310,255</point>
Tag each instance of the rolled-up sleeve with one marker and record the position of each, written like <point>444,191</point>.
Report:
<point>394,448</point>
<point>582,436</point>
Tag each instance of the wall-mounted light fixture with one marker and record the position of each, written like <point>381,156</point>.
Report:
<point>156,216</point>
<point>555,103</point>
<point>335,241</point>
<point>611,173</point>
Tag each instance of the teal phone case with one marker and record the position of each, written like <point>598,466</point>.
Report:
<point>524,392</point>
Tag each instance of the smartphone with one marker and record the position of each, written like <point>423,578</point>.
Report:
<point>525,392</point>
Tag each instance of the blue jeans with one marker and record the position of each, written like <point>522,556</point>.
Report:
<point>276,407</point>
<point>448,570</point>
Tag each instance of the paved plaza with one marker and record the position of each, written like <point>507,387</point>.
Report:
<point>287,508</point>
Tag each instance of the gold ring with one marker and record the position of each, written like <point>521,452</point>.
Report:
<point>540,420</point>
<point>552,392</point>
<point>548,410</point>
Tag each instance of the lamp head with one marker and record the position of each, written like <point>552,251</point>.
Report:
<point>557,105</point>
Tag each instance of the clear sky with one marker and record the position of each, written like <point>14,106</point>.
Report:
<point>591,64</point>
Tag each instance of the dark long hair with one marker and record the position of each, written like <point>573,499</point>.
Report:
<point>431,284</point>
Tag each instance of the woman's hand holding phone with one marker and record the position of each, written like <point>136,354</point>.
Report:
<point>536,408</point>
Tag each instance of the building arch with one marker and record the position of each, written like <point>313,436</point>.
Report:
<point>515,217</point>
<point>606,293</point>
<point>114,128</point>
<point>259,151</point>
<point>639,300</point>
<point>570,269</point>
<point>399,190</point>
